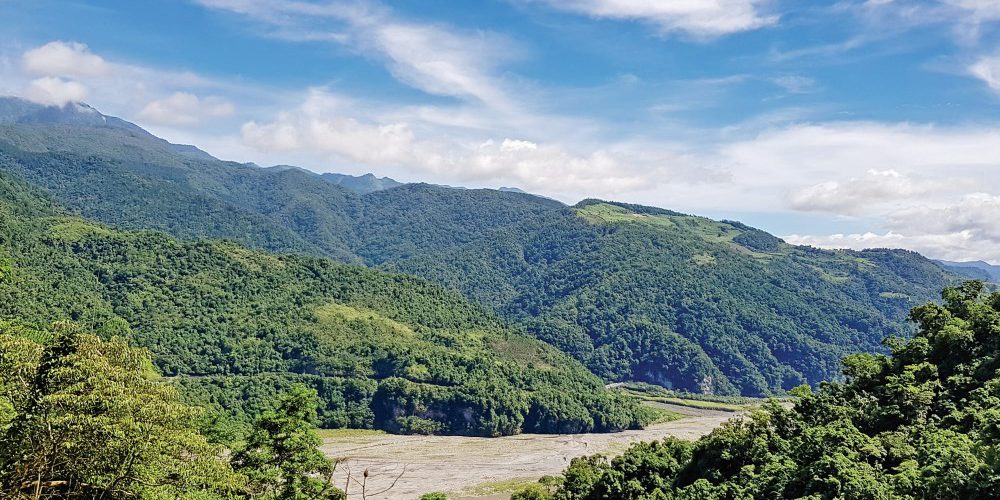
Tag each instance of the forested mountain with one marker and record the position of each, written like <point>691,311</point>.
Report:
<point>634,292</point>
<point>232,326</point>
<point>652,295</point>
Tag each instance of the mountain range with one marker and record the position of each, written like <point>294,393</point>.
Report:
<point>233,326</point>
<point>977,270</point>
<point>633,292</point>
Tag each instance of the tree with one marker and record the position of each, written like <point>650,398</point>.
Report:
<point>281,457</point>
<point>531,492</point>
<point>86,418</point>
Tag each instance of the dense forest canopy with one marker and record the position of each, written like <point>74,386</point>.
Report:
<point>923,422</point>
<point>635,293</point>
<point>232,326</point>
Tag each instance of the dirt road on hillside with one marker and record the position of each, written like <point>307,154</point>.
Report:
<point>462,465</point>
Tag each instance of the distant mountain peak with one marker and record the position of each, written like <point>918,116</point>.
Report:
<point>15,110</point>
<point>364,184</point>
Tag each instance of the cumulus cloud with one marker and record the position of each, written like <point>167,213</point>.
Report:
<point>911,183</point>
<point>55,91</point>
<point>856,195</point>
<point>966,229</point>
<point>182,108</point>
<point>976,213</point>
<point>330,125</point>
<point>348,138</point>
<point>707,18</point>
<point>787,161</point>
<point>959,246</point>
<point>59,72</point>
<point>64,59</point>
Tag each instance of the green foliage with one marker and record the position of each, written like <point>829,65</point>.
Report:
<point>434,496</point>
<point>281,458</point>
<point>415,425</point>
<point>85,418</point>
<point>919,424</point>
<point>635,293</point>
<point>531,492</point>
<point>230,327</point>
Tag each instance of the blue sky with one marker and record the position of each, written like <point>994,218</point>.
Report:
<point>849,123</point>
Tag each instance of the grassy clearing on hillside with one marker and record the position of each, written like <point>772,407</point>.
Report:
<point>330,311</point>
<point>73,230</point>
<point>604,213</point>
<point>347,433</point>
<point>703,259</point>
<point>649,392</point>
<point>702,405</point>
<point>663,415</point>
<point>706,229</point>
<point>495,487</point>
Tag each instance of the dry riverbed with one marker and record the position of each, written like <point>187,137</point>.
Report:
<point>481,467</point>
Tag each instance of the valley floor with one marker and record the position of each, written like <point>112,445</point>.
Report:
<point>468,467</point>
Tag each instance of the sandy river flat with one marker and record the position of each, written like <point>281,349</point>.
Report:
<point>457,465</point>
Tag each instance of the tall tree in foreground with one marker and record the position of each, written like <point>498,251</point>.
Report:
<point>281,456</point>
<point>923,423</point>
<point>82,417</point>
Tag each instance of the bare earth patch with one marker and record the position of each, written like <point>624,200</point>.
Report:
<point>470,467</point>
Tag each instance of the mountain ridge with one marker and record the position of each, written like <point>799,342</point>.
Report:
<point>978,270</point>
<point>635,292</point>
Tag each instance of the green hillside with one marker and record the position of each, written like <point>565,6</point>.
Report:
<point>636,293</point>
<point>233,326</point>
<point>688,302</point>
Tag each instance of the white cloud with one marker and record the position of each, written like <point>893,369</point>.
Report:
<point>976,213</point>
<point>441,62</point>
<point>966,17</point>
<point>913,184</point>
<point>55,91</point>
<point>182,108</point>
<point>959,246</point>
<point>987,69</point>
<point>967,229</point>
<point>64,59</point>
<point>796,84</point>
<point>785,160</point>
<point>330,125</point>
<point>702,18</point>
<point>436,59</point>
<point>165,100</point>
<point>348,138</point>
<point>977,11</point>
<point>887,22</point>
<point>858,195</point>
